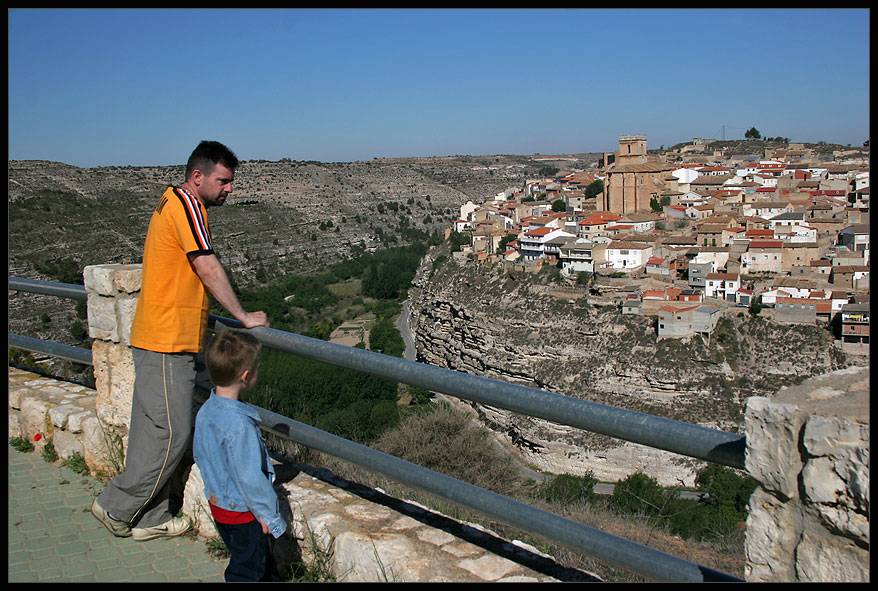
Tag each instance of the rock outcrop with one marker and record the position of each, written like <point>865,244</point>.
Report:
<point>522,327</point>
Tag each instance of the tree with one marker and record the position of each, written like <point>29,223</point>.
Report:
<point>594,188</point>
<point>559,205</point>
<point>547,171</point>
<point>756,305</point>
<point>504,241</point>
<point>752,134</point>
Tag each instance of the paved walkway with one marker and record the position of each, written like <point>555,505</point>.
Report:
<point>52,535</point>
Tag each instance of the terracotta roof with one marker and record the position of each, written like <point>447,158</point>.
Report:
<point>820,306</point>
<point>711,180</point>
<point>850,269</point>
<point>601,217</point>
<point>654,260</point>
<point>766,244</point>
<point>539,231</point>
<point>722,276</point>
<point>620,244</point>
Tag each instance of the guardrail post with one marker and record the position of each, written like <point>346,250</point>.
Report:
<point>808,447</point>
<point>112,292</point>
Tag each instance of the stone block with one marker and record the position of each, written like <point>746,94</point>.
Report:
<point>823,557</point>
<point>14,423</point>
<point>125,308</point>
<point>826,436</point>
<point>60,414</point>
<point>114,382</point>
<point>772,455</point>
<point>773,530</point>
<point>102,317</point>
<point>128,278</point>
<point>34,419</point>
<point>822,484</point>
<point>75,420</point>
<point>97,447</point>
<point>489,567</point>
<point>15,394</point>
<point>99,279</point>
<point>195,504</point>
<point>67,444</point>
<point>361,557</point>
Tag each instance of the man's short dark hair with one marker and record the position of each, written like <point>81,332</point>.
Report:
<point>207,154</point>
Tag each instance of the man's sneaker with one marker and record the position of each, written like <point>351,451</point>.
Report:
<point>176,526</point>
<point>118,528</point>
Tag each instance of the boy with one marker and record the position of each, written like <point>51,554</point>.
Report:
<point>234,463</point>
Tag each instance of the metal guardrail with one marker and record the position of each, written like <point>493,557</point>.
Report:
<point>715,446</point>
<point>658,432</point>
<point>69,352</point>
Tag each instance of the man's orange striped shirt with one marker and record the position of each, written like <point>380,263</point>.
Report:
<point>171,313</point>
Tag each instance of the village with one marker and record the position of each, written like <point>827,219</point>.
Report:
<point>687,234</point>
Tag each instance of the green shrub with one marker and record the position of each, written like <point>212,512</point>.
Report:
<point>49,454</point>
<point>568,488</point>
<point>640,494</point>
<point>77,463</point>
<point>21,444</point>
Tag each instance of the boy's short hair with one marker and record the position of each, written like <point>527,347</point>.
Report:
<point>229,354</point>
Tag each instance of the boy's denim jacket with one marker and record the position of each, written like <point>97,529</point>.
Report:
<point>234,463</point>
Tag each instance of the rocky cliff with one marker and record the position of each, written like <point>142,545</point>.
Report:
<point>524,328</point>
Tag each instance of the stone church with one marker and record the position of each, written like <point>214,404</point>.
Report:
<point>633,178</point>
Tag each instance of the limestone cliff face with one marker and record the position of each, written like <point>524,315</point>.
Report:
<point>517,327</point>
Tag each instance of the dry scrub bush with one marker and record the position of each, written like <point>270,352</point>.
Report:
<point>447,441</point>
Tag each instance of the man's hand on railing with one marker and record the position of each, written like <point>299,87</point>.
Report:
<point>254,319</point>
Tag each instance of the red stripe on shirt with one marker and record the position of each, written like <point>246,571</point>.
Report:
<point>227,517</point>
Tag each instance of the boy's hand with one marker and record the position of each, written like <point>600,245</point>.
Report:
<point>264,527</point>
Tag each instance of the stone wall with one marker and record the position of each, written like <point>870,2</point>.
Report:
<point>362,535</point>
<point>808,447</point>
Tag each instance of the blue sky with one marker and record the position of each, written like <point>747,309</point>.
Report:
<point>95,87</point>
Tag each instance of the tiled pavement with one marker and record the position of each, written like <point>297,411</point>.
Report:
<point>52,535</point>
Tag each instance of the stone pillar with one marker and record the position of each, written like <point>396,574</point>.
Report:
<point>112,292</point>
<point>112,300</point>
<point>808,447</point>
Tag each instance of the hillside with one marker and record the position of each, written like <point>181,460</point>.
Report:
<point>519,327</point>
<point>283,217</point>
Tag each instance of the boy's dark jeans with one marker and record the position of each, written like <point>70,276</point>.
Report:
<point>251,553</point>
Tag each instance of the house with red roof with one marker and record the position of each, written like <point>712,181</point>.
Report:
<point>595,224</point>
<point>763,256</point>
<point>723,286</point>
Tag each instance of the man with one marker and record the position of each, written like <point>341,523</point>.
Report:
<point>179,267</point>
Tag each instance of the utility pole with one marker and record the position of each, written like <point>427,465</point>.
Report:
<point>724,133</point>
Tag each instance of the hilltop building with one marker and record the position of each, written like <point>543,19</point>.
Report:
<point>634,178</point>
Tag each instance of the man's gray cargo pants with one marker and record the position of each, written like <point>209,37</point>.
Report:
<point>159,440</point>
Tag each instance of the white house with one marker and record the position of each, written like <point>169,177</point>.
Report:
<point>624,256</point>
<point>577,255</point>
<point>722,285</point>
<point>467,210</point>
<point>786,220</point>
<point>532,244</point>
<point>802,233</point>
<point>692,198</point>
<point>766,209</point>
<point>685,175</point>
<point>639,222</point>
